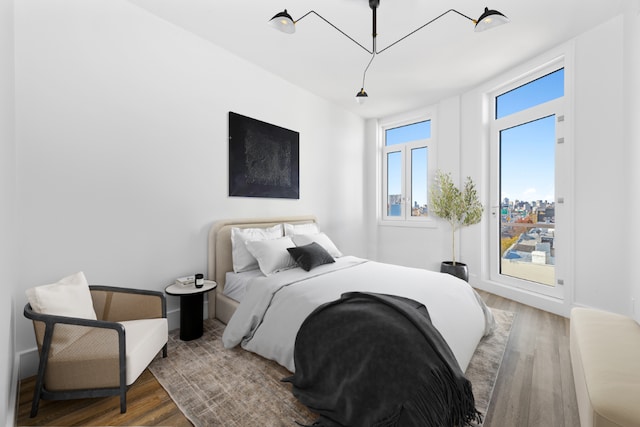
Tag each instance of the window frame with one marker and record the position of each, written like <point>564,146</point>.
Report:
<point>564,187</point>
<point>406,219</point>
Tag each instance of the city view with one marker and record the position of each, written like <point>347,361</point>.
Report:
<point>526,163</point>
<point>393,207</point>
<point>527,233</point>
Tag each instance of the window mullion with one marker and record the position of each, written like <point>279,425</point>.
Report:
<point>406,182</point>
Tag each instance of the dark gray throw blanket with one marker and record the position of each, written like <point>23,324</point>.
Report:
<point>376,360</point>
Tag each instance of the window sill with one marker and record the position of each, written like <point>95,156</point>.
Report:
<point>427,223</point>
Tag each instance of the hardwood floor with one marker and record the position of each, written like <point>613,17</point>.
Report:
<point>148,404</point>
<point>534,387</point>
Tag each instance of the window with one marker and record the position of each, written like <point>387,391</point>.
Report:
<point>408,151</point>
<point>536,92</point>
<point>527,139</point>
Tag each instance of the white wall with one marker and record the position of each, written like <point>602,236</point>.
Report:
<point>601,175</point>
<point>604,187</point>
<point>632,110</point>
<point>122,147</point>
<point>7,215</point>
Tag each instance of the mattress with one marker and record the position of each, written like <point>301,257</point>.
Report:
<point>236,283</point>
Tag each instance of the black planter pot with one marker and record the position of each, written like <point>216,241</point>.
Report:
<point>459,270</point>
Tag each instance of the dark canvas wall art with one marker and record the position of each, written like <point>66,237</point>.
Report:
<point>263,159</point>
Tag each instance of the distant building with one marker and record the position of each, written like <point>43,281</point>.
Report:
<point>548,215</point>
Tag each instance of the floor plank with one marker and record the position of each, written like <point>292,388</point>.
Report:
<point>534,387</point>
<point>148,404</point>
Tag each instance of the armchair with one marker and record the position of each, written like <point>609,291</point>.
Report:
<point>83,357</point>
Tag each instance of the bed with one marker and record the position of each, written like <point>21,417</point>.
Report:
<point>274,306</point>
<point>220,260</point>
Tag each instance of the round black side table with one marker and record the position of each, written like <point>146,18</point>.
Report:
<point>191,306</point>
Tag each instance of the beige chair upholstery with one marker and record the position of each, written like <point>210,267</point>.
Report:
<point>95,358</point>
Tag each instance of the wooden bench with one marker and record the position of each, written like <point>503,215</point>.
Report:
<point>605,355</point>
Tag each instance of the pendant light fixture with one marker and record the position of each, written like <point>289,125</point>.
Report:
<point>361,96</point>
<point>284,22</point>
<point>490,19</point>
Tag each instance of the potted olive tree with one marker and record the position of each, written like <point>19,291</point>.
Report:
<point>460,208</point>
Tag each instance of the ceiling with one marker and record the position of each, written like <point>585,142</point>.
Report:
<point>443,59</point>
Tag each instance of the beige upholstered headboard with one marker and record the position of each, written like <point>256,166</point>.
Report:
<point>220,261</point>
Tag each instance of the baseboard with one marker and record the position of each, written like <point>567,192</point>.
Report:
<point>173,316</point>
<point>542,302</point>
<point>12,410</point>
<point>173,319</point>
<point>28,361</point>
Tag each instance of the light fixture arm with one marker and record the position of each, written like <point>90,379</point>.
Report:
<point>374,8</point>
<point>421,27</point>
<point>364,75</point>
<point>285,23</point>
<point>338,29</point>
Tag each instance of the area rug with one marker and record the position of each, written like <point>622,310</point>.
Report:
<point>214,386</point>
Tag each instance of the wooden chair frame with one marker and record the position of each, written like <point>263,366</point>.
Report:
<point>50,321</point>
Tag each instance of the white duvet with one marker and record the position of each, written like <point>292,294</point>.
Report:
<point>274,307</point>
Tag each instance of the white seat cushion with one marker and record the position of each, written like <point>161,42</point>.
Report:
<point>144,339</point>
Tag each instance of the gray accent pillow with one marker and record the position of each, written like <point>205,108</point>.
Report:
<point>310,256</point>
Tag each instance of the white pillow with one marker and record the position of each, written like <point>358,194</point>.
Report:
<point>307,228</point>
<point>69,297</point>
<point>242,258</point>
<point>321,239</point>
<point>272,255</point>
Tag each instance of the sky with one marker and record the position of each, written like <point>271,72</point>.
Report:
<point>527,152</point>
<point>527,161</point>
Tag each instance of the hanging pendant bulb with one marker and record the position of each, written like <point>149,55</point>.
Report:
<point>361,96</point>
